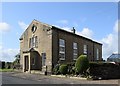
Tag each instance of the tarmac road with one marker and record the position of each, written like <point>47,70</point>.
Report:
<point>24,78</point>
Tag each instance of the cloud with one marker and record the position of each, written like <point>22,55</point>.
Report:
<point>63,21</point>
<point>8,54</point>
<point>67,29</point>
<point>86,32</point>
<point>110,42</point>
<point>75,24</point>
<point>4,27</point>
<point>22,25</point>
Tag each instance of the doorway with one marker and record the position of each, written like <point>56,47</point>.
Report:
<point>26,63</point>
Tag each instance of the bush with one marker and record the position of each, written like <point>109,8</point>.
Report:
<point>82,64</point>
<point>71,69</point>
<point>63,69</point>
<point>56,69</point>
<point>8,67</point>
<point>3,65</point>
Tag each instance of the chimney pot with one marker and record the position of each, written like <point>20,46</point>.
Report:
<point>73,30</point>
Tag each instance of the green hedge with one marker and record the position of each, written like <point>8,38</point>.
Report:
<point>82,64</point>
<point>63,69</point>
<point>56,69</point>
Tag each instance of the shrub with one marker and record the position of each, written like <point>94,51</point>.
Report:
<point>71,67</point>
<point>8,67</point>
<point>82,64</point>
<point>56,69</point>
<point>3,65</point>
<point>63,69</point>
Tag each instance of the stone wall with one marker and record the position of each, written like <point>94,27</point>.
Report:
<point>105,70</point>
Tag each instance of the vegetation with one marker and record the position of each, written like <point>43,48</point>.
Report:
<point>82,64</point>
<point>63,69</point>
<point>16,62</point>
<point>3,65</point>
<point>90,70</point>
<point>71,68</point>
<point>6,70</point>
<point>56,69</point>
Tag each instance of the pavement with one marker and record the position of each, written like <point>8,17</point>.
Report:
<point>26,78</point>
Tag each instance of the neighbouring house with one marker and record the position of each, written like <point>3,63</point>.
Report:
<point>43,46</point>
<point>114,58</point>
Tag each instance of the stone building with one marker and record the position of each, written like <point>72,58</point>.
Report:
<point>44,45</point>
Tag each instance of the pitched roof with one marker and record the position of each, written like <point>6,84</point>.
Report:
<point>54,27</point>
<point>114,56</point>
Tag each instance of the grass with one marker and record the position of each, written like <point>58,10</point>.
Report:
<point>6,70</point>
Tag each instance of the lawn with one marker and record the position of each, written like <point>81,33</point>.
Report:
<point>6,70</point>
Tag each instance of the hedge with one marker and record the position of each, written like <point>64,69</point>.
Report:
<point>63,69</point>
<point>81,64</point>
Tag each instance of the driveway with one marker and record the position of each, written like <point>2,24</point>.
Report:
<point>25,78</point>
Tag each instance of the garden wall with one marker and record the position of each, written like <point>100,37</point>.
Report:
<point>105,70</point>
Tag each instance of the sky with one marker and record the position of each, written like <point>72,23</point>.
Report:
<point>94,20</point>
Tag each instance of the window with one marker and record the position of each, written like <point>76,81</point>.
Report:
<point>43,59</point>
<point>33,42</point>
<point>30,43</point>
<point>61,49</point>
<point>61,42</point>
<point>97,54</point>
<point>75,51</point>
<point>34,28</point>
<point>85,49</point>
<point>36,41</point>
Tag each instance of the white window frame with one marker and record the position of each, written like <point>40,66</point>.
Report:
<point>33,42</point>
<point>85,49</point>
<point>75,47</point>
<point>63,46</point>
<point>97,54</point>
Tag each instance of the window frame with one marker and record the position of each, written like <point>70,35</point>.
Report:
<point>97,54</point>
<point>75,50</point>
<point>85,49</point>
<point>33,42</point>
<point>62,45</point>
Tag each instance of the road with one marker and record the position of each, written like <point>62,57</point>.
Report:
<point>24,78</point>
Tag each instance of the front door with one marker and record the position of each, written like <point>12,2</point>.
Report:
<point>26,63</point>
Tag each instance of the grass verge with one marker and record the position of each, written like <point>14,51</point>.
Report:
<point>6,70</point>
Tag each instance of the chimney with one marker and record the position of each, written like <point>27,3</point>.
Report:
<point>73,30</point>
